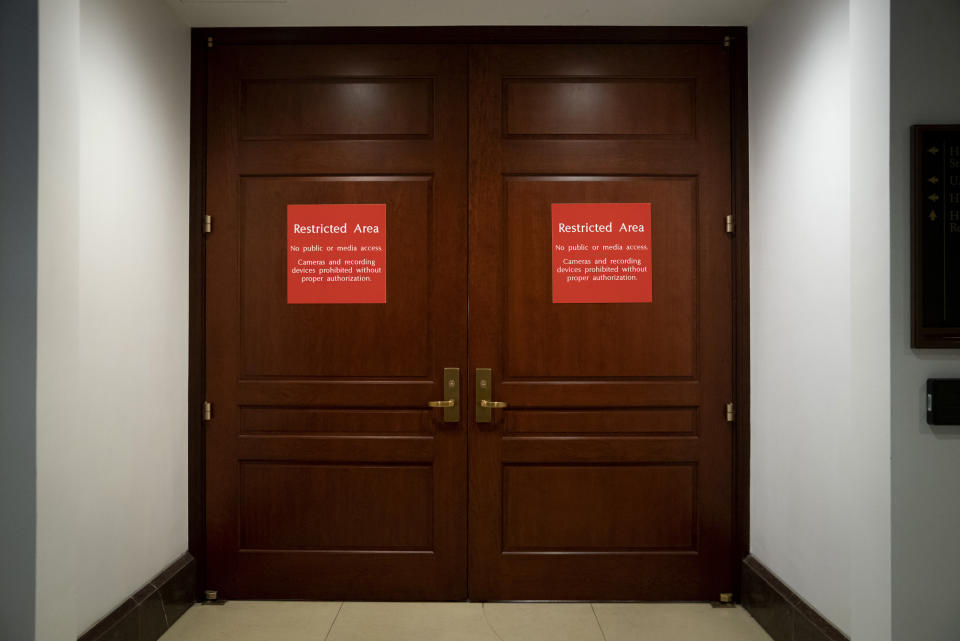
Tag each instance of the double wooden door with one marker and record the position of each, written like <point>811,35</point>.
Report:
<point>608,475</point>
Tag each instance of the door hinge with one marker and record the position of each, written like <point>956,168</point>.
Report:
<point>207,223</point>
<point>726,597</point>
<point>730,223</point>
<point>210,42</point>
<point>727,40</point>
<point>731,413</point>
<point>212,597</point>
<point>207,410</point>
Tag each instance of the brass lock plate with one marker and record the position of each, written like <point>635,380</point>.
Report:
<point>451,392</point>
<point>484,391</point>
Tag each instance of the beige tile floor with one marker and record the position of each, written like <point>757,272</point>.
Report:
<point>314,621</point>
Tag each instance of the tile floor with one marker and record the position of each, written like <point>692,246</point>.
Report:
<point>315,621</point>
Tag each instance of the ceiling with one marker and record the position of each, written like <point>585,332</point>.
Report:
<point>313,13</point>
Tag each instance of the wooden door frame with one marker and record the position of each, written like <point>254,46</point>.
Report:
<point>735,38</point>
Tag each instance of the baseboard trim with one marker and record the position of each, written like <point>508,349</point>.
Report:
<point>779,610</point>
<point>150,612</point>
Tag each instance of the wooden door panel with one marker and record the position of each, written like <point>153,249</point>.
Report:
<point>604,107</point>
<point>275,340</point>
<point>552,508</point>
<point>336,107</point>
<point>285,420</point>
<point>287,506</point>
<point>365,448</point>
<point>338,157</point>
<point>613,340</point>
<point>593,393</point>
<point>327,476</point>
<point>608,475</point>
<point>640,421</point>
<point>597,449</point>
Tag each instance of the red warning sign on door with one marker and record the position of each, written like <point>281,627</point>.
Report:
<point>602,253</point>
<point>336,254</point>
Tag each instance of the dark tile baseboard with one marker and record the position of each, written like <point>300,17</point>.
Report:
<point>146,615</point>
<point>780,610</point>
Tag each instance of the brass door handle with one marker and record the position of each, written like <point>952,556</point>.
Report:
<point>451,392</point>
<point>485,407</point>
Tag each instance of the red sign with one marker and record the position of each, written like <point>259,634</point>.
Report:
<point>602,253</point>
<point>336,254</point>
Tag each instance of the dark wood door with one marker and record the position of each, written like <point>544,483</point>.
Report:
<point>609,474</point>
<point>327,476</point>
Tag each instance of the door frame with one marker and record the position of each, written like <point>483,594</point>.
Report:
<point>734,38</point>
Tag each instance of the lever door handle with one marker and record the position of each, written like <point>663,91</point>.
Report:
<point>451,392</point>
<point>484,408</point>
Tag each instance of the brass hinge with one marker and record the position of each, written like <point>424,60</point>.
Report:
<point>729,223</point>
<point>207,224</point>
<point>212,597</point>
<point>727,40</point>
<point>726,601</point>
<point>210,42</point>
<point>731,413</point>
<point>207,410</point>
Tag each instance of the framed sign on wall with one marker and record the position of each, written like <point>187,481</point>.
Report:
<point>935,224</point>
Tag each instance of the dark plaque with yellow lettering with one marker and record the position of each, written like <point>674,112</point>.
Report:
<point>936,235</point>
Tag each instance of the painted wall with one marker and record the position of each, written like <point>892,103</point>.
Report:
<point>59,434</point>
<point>112,435</point>
<point>133,236</point>
<point>800,312</point>
<point>819,130</point>
<point>866,457</point>
<point>18,316</point>
<point>926,460</point>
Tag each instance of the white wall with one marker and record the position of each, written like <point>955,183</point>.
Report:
<point>18,316</point>
<point>926,460</point>
<point>800,314</point>
<point>112,450</point>
<point>820,473</point>
<point>59,435</point>
<point>134,179</point>
<point>867,456</point>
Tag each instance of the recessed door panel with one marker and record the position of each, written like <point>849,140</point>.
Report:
<point>275,336</point>
<point>616,339</point>
<point>602,107</point>
<point>295,506</point>
<point>596,508</point>
<point>336,107</point>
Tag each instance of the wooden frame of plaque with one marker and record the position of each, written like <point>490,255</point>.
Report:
<point>935,231</point>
